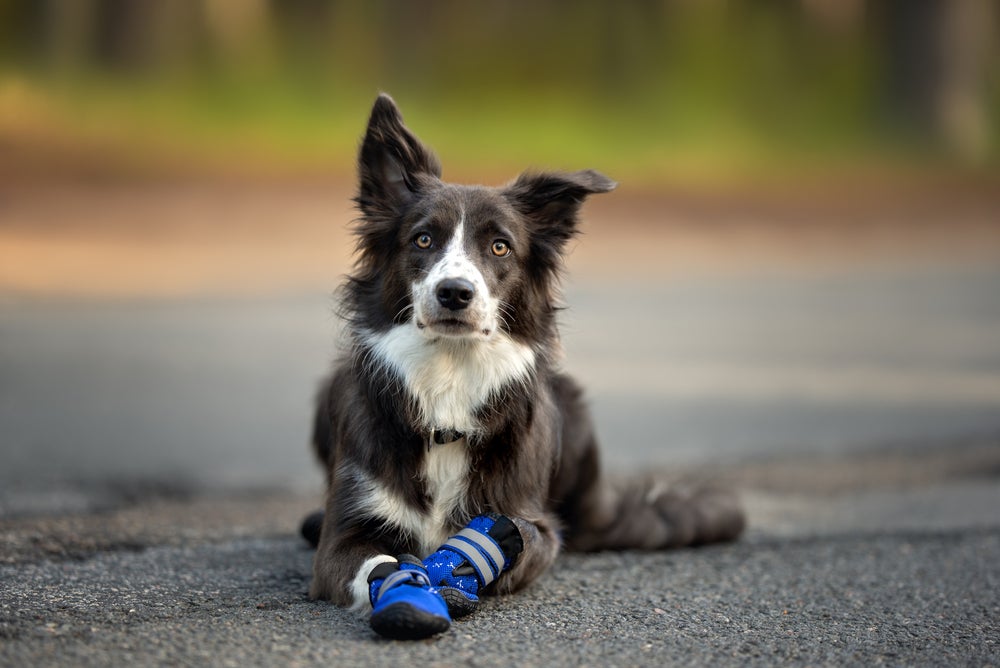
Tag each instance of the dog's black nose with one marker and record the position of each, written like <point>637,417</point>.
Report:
<point>455,293</point>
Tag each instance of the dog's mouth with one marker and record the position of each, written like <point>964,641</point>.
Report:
<point>453,327</point>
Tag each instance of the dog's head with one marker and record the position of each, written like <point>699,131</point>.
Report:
<point>458,262</point>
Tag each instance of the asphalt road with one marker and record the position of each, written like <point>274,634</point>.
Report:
<point>218,391</point>
<point>154,463</point>
<point>906,573</point>
<point>910,599</point>
<point>131,531</point>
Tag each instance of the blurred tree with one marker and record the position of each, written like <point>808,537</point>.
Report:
<point>142,35</point>
<point>753,80</point>
<point>48,34</point>
<point>234,27</point>
<point>303,30</point>
<point>937,53</point>
<point>65,32</point>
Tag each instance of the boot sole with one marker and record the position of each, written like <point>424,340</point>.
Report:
<point>458,605</point>
<point>402,621</point>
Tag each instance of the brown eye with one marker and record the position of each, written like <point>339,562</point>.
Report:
<point>423,241</point>
<point>500,248</point>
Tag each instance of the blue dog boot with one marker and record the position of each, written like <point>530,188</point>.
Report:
<point>404,605</point>
<point>473,559</point>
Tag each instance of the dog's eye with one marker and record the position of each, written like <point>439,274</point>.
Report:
<point>500,248</point>
<point>423,241</point>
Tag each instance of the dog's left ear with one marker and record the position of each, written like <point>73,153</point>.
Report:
<point>393,165</point>
<point>551,202</point>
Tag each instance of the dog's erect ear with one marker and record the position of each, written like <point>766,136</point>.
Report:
<point>554,198</point>
<point>392,165</point>
<point>551,202</point>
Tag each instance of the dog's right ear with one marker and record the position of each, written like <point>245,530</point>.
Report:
<point>393,166</point>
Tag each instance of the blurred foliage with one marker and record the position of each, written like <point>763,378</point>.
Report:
<point>647,90</point>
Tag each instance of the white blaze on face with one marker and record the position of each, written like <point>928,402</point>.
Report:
<point>455,263</point>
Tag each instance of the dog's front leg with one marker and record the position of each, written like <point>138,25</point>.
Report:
<point>354,566</point>
<point>352,542</point>
<point>345,558</point>
<point>492,553</point>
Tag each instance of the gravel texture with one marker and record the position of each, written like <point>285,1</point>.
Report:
<point>898,574</point>
<point>914,598</point>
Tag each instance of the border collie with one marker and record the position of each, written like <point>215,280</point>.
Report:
<point>459,458</point>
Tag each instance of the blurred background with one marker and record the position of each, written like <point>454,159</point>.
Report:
<point>802,260</point>
<point>656,91</point>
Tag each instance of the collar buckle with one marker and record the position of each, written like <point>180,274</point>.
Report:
<point>443,437</point>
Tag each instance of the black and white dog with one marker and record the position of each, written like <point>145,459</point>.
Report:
<point>448,431</point>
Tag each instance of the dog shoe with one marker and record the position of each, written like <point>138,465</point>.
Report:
<point>404,605</point>
<point>472,559</point>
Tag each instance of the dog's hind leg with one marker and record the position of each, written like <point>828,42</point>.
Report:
<point>322,427</point>
<point>322,445</point>
<point>645,512</point>
<point>648,513</point>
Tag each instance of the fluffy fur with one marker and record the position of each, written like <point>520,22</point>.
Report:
<point>451,312</point>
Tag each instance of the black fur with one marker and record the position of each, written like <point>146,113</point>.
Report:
<point>533,456</point>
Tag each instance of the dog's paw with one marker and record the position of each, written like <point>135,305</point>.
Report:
<point>404,604</point>
<point>472,559</point>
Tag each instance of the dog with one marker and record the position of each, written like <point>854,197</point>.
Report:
<point>459,458</point>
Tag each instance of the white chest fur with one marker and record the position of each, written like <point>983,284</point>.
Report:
<point>449,379</point>
<point>445,474</point>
